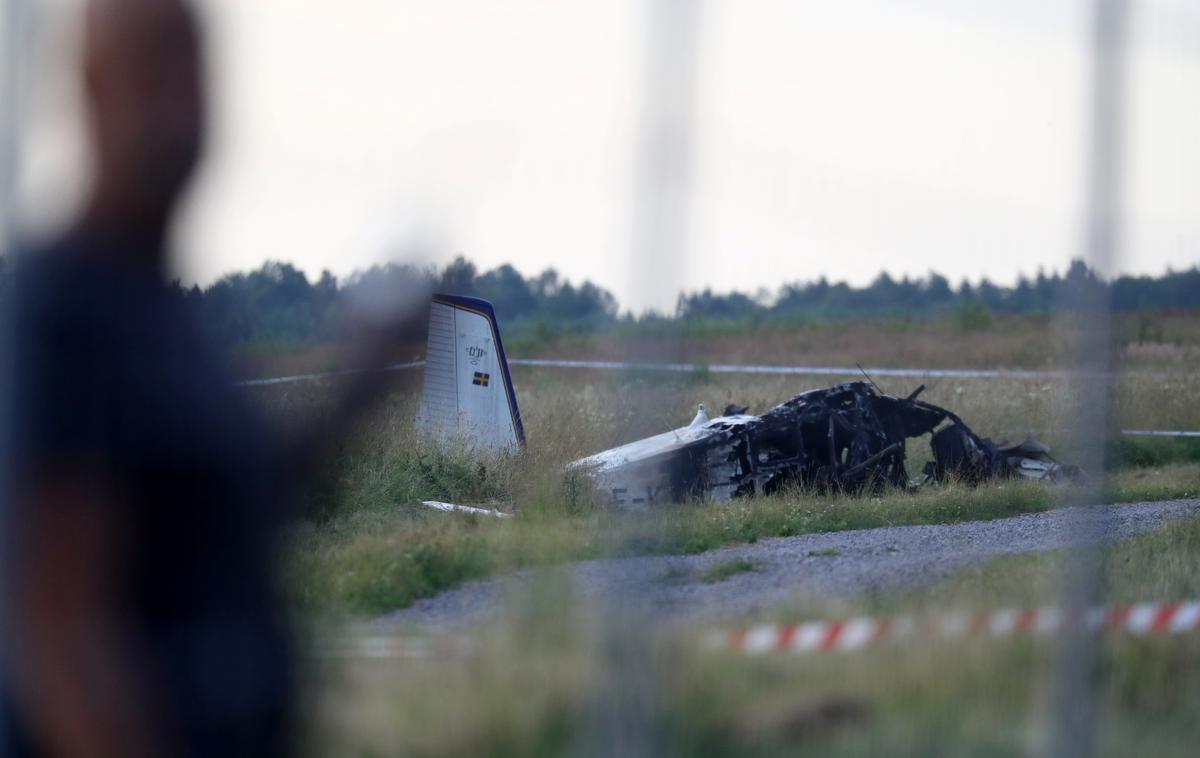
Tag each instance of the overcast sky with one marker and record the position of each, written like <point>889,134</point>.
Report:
<point>830,138</point>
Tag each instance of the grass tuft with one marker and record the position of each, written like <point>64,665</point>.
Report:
<point>826,553</point>
<point>719,572</point>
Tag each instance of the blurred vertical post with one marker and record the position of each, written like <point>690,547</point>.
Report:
<point>626,717</point>
<point>1072,730</point>
<point>11,56</point>
<point>11,24</point>
<point>663,158</point>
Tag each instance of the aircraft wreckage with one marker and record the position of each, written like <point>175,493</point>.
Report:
<point>849,437</point>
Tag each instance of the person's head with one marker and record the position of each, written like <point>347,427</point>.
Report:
<point>144,91</point>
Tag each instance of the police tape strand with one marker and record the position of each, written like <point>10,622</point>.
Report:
<point>848,635</point>
<point>854,634</point>
<point>716,368</point>
<point>688,367</point>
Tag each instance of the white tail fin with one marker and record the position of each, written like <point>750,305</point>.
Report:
<point>468,394</point>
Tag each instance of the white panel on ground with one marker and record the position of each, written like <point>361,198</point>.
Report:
<point>465,398</point>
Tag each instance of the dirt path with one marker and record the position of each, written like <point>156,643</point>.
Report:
<point>836,564</point>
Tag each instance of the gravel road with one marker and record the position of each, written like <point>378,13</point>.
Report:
<point>789,568</point>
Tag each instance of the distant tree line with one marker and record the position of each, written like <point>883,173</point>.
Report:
<point>934,294</point>
<point>278,303</point>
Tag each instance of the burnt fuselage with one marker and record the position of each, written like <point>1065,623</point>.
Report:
<point>846,437</point>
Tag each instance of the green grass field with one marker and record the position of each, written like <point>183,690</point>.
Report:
<point>560,675</point>
<point>369,546</point>
<point>557,678</point>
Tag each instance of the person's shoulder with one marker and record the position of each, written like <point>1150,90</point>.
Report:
<point>62,259</point>
<point>59,284</point>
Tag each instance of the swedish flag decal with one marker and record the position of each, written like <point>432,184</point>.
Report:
<point>481,379</point>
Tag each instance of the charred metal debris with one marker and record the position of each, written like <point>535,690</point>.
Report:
<point>850,437</point>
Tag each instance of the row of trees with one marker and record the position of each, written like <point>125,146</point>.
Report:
<point>934,294</point>
<point>278,303</point>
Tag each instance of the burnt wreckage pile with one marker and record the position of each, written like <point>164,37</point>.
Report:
<point>847,437</point>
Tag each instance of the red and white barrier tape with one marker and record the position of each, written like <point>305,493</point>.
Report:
<point>853,634</point>
<point>843,636</point>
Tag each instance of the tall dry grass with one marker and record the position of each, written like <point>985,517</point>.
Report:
<point>368,545</point>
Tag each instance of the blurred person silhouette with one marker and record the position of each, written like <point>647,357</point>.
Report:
<point>142,496</point>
